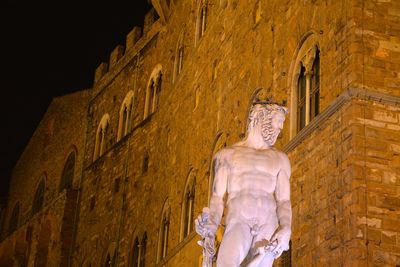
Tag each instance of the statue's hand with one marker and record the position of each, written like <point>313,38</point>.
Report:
<point>281,238</point>
<point>203,225</point>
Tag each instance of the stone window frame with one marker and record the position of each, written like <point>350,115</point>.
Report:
<point>163,233</point>
<point>138,251</point>
<point>14,218</point>
<point>153,90</point>
<point>38,199</point>
<point>188,203</point>
<point>201,20</point>
<point>99,145</point>
<point>125,115</point>
<point>305,58</point>
<point>66,182</point>
<point>179,56</point>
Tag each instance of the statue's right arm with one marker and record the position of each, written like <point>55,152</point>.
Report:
<point>218,191</point>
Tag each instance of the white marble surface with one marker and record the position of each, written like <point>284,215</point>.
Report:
<point>255,177</point>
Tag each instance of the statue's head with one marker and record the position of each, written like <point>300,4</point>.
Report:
<point>269,117</point>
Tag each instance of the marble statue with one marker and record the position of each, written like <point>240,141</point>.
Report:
<point>255,177</point>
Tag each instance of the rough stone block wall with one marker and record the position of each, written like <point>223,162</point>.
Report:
<point>375,45</point>
<point>345,189</point>
<point>378,180</point>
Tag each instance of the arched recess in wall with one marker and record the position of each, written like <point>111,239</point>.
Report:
<point>201,20</point>
<point>153,90</point>
<point>67,176</point>
<point>21,251</point>
<point>109,255</point>
<point>42,248</point>
<point>220,141</point>
<point>38,199</point>
<point>6,253</point>
<point>99,145</point>
<point>137,255</point>
<point>304,83</point>
<point>14,219</point>
<point>125,115</point>
<point>188,202</point>
<point>179,55</point>
<point>163,233</point>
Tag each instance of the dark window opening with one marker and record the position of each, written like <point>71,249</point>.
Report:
<point>301,100</point>
<point>39,198</point>
<point>68,172</point>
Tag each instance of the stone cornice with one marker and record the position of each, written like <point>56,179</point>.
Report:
<point>176,249</point>
<point>338,103</point>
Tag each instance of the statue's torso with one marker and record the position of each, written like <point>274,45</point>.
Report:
<point>252,176</point>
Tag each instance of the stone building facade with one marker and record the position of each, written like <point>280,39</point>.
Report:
<point>180,89</point>
<point>41,213</point>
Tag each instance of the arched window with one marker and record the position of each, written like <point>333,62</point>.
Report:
<point>100,145</point>
<point>143,245</point>
<point>14,219</point>
<point>219,143</point>
<point>138,255</point>
<point>164,232</point>
<point>125,116</point>
<point>108,262</point>
<point>188,206</point>
<point>305,84</point>
<point>314,87</point>
<point>42,247</point>
<point>201,22</point>
<point>39,197</point>
<point>179,54</point>
<point>153,92</point>
<point>301,99</point>
<point>135,253</point>
<point>68,172</point>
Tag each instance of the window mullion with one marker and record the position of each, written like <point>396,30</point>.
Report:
<point>308,88</point>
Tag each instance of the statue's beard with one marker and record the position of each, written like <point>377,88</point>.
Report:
<point>268,133</point>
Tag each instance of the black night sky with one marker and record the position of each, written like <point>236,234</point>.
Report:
<point>48,49</point>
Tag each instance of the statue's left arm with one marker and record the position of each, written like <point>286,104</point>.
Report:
<point>284,209</point>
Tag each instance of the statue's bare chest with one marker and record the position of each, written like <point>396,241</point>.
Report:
<point>256,163</point>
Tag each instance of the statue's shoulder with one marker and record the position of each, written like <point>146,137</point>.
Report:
<point>284,159</point>
<point>224,153</point>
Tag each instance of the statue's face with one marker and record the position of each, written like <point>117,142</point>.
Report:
<point>271,126</point>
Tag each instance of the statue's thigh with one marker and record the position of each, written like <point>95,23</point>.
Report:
<point>235,245</point>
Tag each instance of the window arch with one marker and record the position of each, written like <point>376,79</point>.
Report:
<point>99,146</point>
<point>164,232</point>
<point>135,253</point>
<point>125,115</point>
<point>14,219</point>
<point>39,197</point>
<point>201,21</point>
<point>108,261</point>
<point>219,143</point>
<point>305,85</point>
<point>138,255</point>
<point>187,219</point>
<point>179,55</point>
<point>153,91</point>
<point>68,172</point>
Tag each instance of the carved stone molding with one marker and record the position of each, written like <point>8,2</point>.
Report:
<point>339,102</point>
